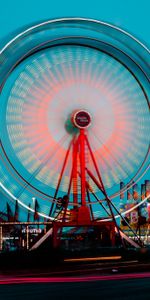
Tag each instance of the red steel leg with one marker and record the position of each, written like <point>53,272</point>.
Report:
<point>60,176</point>
<point>75,175</point>
<point>82,166</point>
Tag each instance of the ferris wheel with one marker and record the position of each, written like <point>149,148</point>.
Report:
<point>74,108</point>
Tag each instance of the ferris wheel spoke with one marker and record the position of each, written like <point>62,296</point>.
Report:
<point>112,155</point>
<point>42,165</point>
<point>102,158</point>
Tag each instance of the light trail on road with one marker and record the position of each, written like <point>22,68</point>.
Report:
<point>24,280</point>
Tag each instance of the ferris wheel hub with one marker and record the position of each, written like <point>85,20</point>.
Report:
<point>81,119</point>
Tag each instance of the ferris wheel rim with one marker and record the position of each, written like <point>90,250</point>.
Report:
<point>148,150</point>
<point>74,19</point>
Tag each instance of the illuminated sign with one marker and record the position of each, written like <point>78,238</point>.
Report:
<point>32,230</point>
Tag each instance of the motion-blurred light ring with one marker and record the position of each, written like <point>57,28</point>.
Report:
<point>101,31</point>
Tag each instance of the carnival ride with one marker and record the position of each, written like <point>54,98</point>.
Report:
<point>74,123</point>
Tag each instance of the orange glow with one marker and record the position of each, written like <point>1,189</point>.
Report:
<point>93,258</point>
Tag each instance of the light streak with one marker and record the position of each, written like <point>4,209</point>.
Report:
<point>24,205</point>
<point>74,19</point>
<point>93,258</point>
<point>50,218</point>
<point>24,280</point>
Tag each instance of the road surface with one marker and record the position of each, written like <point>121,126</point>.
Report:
<point>125,286</point>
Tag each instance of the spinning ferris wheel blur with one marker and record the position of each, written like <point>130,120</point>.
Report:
<point>50,71</point>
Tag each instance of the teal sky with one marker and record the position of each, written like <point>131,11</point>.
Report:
<point>130,15</point>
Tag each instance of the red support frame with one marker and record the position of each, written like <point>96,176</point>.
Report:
<point>82,166</point>
<point>75,173</point>
<point>83,214</point>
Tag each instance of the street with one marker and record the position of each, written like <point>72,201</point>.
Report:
<point>123,287</point>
